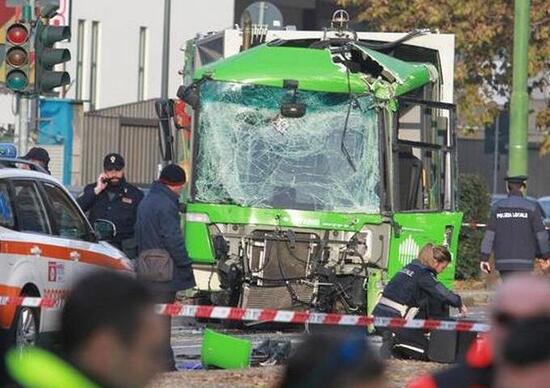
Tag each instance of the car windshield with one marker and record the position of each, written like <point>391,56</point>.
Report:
<point>250,155</point>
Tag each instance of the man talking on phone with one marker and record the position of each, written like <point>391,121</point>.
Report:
<point>112,198</point>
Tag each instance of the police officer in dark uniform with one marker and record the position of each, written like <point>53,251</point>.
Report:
<point>39,156</point>
<point>414,292</point>
<point>112,198</point>
<point>515,232</point>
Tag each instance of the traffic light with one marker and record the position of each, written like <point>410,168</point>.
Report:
<point>17,57</point>
<point>46,57</point>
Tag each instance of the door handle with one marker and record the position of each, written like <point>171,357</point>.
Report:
<point>75,256</point>
<point>36,251</point>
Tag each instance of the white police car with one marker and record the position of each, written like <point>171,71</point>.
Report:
<point>46,243</point>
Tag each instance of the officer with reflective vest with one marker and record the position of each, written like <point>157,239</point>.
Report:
<point>414,292</point>
<point>112,198</point>
<point>515,232</point>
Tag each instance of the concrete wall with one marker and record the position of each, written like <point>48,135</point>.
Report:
<point>473,159</point>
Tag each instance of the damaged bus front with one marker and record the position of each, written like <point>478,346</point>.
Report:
<point>307,186</point>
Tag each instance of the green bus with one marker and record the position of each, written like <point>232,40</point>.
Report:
<point>319,163</point>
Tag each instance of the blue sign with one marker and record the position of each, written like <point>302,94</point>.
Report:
<point>56,128</point>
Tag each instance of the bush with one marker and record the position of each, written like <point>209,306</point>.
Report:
<point>475,202</point>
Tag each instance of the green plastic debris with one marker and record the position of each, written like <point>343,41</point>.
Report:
<point>224,351</point>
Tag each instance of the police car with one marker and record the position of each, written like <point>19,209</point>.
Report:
<point>46,243</point>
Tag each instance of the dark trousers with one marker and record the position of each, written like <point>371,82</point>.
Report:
<point>412,343</point>
<point>169,363</point>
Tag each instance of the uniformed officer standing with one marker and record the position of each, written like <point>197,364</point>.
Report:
<point>514,232</point>
<point>112,198</point>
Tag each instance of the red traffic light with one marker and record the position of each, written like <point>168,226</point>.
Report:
<point>16,57</point>
<point>17,34</point>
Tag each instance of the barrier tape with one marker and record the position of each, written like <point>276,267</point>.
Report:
<point>279,316</point>
<point>474,226</point>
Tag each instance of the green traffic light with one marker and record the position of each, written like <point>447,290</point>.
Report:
<point>16,80</point>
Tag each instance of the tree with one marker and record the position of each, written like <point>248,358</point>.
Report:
<point>484,35</point>
<point>475,202</point>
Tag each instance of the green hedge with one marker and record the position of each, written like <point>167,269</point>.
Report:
<point>475,202</point>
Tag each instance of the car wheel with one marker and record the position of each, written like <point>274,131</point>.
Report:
<point>26,327</point>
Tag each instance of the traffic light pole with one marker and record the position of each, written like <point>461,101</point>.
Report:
<point>519,115</point>
<point>21,134</point>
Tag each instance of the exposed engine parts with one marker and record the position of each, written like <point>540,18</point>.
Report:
<point>296,269</point>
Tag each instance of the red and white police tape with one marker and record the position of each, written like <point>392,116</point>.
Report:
<point>280,316</point>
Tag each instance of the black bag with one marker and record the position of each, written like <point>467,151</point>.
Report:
<point>155,265</point>
<point>449,346</point>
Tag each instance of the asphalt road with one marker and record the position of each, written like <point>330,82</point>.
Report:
<point>187,335</point>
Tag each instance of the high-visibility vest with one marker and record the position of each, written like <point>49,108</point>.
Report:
<point>37,368</point>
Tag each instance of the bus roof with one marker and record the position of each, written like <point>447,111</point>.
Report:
<point>315,70</point>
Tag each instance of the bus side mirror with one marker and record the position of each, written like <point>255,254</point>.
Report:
<point>165,111</point>
<point>189,94</point>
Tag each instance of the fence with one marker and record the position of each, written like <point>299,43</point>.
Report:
<point>132,131</point>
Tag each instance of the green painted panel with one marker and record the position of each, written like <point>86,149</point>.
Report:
<point>283,217</point>
<point>418,229</point>
<point>198,243</point>
<point>266,65</point>
<point>315,70</point>
<point>409,76</point>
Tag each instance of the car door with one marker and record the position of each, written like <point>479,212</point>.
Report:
<point>37,258</point>
<point>7,261</point>
<point>74,233</point>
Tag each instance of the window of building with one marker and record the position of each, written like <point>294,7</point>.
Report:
<point>141,63</point>
<point>94,64</point>
<point>79,58</point>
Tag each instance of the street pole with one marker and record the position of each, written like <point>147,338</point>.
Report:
<point>165,51</point>
<point>496,156</point>
<point>519,115</point>
<point>21,134</point>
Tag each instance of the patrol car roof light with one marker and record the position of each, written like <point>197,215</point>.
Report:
<point>8,150</point>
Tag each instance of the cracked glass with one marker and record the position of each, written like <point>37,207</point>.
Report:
<point>250,155</point>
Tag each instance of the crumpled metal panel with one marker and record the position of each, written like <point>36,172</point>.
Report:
<point>252,156</point>
<point>316,70</point>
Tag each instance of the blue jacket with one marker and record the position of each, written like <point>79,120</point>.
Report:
<point>516,234</point>
<point>158,226</point>
<point>416,285</point>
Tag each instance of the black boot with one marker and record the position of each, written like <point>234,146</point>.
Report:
<point>387,345</point>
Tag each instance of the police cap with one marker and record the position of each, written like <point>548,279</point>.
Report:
<point>516,179</point>
<point>113,162</point>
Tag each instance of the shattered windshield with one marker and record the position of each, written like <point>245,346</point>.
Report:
<point>250,155</point>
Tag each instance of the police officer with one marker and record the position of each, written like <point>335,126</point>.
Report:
<point>112,198</point>
<point>415,292</point>
<point>39,156</point>
<point>515,232</point>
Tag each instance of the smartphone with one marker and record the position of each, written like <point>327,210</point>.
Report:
<point>105,180</point>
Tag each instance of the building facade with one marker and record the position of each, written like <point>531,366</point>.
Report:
<point>116,48</point>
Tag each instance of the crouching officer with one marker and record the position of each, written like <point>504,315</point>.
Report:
<point>515,232</point>
<point>414,292</point>
<point>112,198</point>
